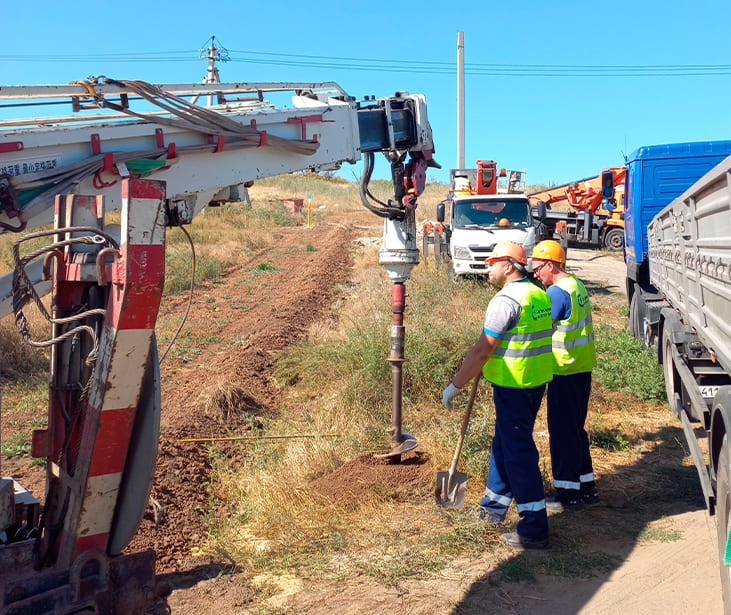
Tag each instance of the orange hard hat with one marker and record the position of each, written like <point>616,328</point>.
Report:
<point>508,249</point>
<point>504,222</point>
<point>549,250</point>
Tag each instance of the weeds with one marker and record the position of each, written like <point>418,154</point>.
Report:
<point>573,563</point>
<point>610,438</point>
<point>17,444</point>
<point>661,530</point>
<point>394,565</point>
<point>20,360</point>
<point>624,364</point>
<point>179,268</point>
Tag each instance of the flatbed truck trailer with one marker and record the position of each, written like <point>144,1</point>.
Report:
<point>686,263</point>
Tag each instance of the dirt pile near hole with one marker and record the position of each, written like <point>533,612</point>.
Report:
<point>369,477</point>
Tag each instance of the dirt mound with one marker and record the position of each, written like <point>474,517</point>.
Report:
<point>370,476</point>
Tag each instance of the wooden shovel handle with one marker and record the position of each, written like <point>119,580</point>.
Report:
<point>465,423</point>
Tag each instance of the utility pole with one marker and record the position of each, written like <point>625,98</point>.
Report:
<point>213,54</point>
<point>460,100</point>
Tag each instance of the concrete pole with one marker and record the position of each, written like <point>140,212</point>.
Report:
<point>460,100</point>
<point>212,76</point>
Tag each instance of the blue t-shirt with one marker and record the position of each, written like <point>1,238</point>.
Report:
<point>560,303</point>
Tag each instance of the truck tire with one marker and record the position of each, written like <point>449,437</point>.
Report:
<point>723,512</point>
<point>633,320</point>
<point>614,239</point>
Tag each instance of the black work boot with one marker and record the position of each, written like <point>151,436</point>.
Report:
<point>556,504</point>
<point>590,498</point>
<point>516,541</point>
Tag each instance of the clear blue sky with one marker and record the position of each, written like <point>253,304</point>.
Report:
<point>519,110</point>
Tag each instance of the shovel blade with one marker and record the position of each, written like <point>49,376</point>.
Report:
<point>450,493</point>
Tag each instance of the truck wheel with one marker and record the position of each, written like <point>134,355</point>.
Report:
<point>614,239</point>
<point>723,512</point>
<point>633,321</point>
<point>672,379</point>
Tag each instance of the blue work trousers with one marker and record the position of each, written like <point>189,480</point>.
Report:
<point>568,403</point>
<point>514,471</point>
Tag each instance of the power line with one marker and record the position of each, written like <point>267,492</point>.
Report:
<point>493,65</point>
<point>388,65</point>
<point>507,71</point>
<point>133,56</point>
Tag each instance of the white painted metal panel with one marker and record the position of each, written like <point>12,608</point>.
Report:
<point>690,258</point>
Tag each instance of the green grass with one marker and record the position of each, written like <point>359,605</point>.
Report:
<point>516,569</point>
<point>659,532</point>
<point>574,563</point>
<point>624,364</point>
<point>610,438</point>
<point>264,267</point>
<point>17,444</point>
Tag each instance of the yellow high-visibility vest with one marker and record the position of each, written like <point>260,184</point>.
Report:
<point>573,339</point>
<point>523,358</point>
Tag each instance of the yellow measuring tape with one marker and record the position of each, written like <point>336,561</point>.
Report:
<point>316,435</point>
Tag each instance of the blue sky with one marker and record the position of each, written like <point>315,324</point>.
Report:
<point>555,127</point>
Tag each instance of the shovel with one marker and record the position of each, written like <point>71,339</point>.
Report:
<point>451,486</point>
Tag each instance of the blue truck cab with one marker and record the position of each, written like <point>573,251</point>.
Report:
<point>656,174</point>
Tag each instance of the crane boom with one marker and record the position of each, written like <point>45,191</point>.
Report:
<point>161,162</point>
<point>201,153</point>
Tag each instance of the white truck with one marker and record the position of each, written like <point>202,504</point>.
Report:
<point>477,222</point>
<point>160,168</point>
<point>486,206</point>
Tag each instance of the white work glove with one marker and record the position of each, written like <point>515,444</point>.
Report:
<point>448,395</point>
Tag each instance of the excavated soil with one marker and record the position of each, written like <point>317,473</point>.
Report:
<point>370,474</point>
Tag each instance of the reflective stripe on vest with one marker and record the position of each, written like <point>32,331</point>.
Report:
<point>523,358</point>
<point>573,339</point>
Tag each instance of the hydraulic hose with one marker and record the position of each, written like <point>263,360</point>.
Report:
<point>384,211</point>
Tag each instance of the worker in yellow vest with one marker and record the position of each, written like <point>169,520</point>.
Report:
<point>514,354</point>
<point>568,393</point>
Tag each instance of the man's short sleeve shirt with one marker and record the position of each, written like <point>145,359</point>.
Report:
<point>502,314</point>
<point>560,303</point>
